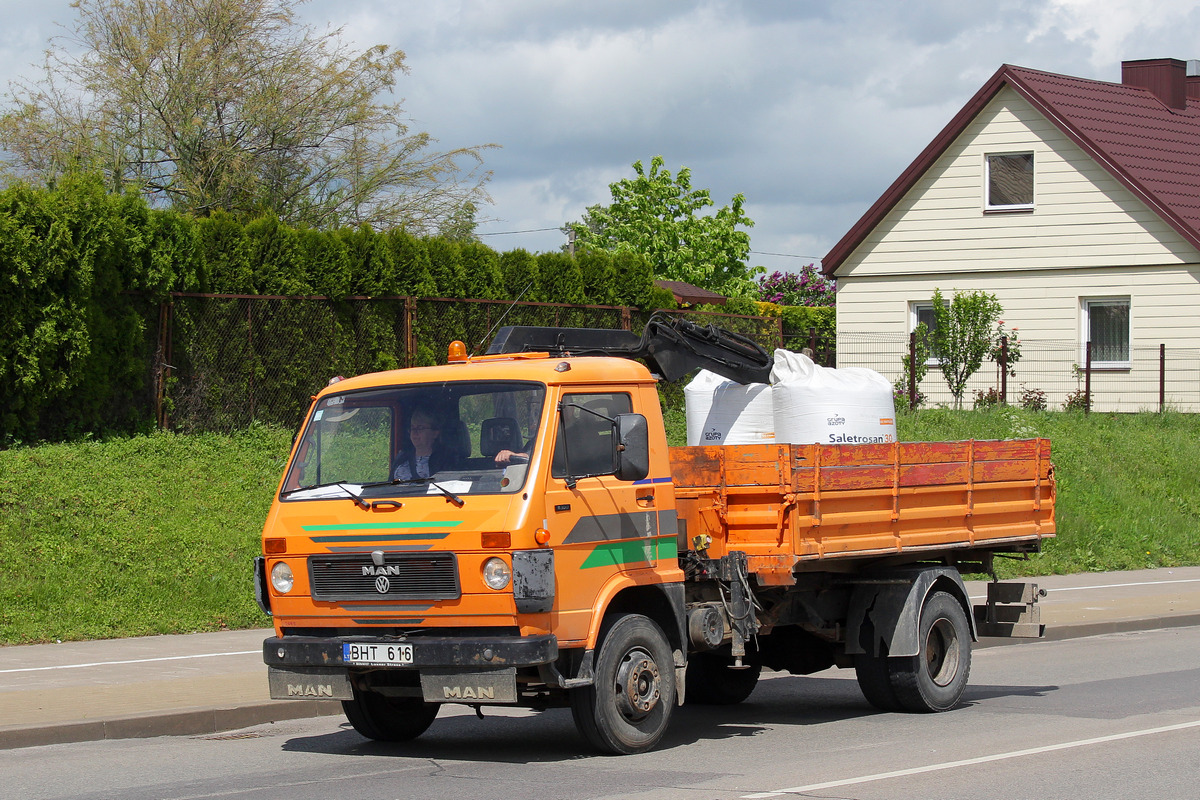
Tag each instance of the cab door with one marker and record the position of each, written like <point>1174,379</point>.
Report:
<point>599,525</point>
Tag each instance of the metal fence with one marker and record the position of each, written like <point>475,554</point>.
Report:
<point>1159,377</point>
<point>225,361</point>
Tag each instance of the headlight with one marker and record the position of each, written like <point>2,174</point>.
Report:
<point>496,573</point>
<point>282,578</point>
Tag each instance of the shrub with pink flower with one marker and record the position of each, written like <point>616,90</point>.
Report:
<point>1014,347</point>
<point>808,288</point>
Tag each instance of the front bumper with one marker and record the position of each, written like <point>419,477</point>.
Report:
<point>429,652</point>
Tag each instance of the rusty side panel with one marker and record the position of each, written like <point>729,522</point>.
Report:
<point>787,503</point>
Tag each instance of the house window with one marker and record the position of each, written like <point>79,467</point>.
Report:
<point>1106,326</point>
<point>1009,182</point>
<point>922,313</point>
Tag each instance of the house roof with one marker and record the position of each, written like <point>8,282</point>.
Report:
<point>1145,131</point>
<point>687,294</point>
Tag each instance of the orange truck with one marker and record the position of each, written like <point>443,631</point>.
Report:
<point>554,551</point>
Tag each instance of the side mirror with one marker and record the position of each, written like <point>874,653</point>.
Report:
<point>633,447</point>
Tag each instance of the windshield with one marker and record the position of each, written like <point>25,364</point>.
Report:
<point>463,438</point>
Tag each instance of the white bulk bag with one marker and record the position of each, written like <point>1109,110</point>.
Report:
<point>819,405</point>
<point>721,411</point>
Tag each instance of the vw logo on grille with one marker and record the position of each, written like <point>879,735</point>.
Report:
<point>382,584</point>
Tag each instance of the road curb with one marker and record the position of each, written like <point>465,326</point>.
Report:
<point>191,722</point>
<point>201,721</point>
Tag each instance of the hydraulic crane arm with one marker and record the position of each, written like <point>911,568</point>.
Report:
<point>670,346</point>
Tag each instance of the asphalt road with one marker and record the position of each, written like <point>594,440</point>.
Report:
<point>1115,716</point>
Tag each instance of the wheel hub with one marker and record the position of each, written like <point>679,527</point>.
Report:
<point>941,653</point>
<point>637,685</point>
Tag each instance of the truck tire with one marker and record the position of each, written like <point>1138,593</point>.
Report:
<point>875,680</point>
<point>389,719</point>
<point>935,678</point>
<point>627,709</point>
<point>712,680</point>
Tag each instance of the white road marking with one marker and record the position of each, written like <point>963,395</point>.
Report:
<point>131,661</point>
<point>967,762</point>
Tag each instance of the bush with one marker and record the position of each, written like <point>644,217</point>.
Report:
<point>1076,401</point>
<point>988,399</point>
<point>808,288</point>
<point>1033,399</point>
<point>900,396</point>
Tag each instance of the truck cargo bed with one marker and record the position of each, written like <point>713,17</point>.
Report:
<point>784,505</point>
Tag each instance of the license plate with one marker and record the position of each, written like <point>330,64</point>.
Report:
<point>377,655</point>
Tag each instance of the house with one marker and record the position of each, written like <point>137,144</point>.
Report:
<point>1076,203</point>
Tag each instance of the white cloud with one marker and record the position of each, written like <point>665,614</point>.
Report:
<point>1117,30</point>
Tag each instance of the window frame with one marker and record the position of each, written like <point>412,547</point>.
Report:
<point>915,307</point>
<point>1085,330</point>
<point>988,205</point>
<point>559,453</point>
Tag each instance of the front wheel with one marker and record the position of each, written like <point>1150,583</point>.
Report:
<point>627,709</point>
<point>389,719</point>
<point>935,678</point>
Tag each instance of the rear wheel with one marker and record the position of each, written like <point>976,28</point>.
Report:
<point>875,681</point>
<point>389,719</point>
<point>712,680</point>
<point>628,707</point>
<point>935,678</point>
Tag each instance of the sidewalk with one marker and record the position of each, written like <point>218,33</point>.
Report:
<point>210,682</point>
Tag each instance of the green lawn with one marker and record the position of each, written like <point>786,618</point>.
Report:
<point>150,534</point>
<point>155,534</point>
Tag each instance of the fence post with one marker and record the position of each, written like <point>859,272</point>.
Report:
<point>812,341</point>
<point>1003,370</point>
<point>1087,380</point>
<point>164,366</point>
<point>626,322</point>
<point>912,371</point>
<point>1162,377</point>
<point>250,339</point>
<point>410,311</point>
<point>779,332</point>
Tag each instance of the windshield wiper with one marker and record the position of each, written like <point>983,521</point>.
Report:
<point>451,497</point>
<point>339,484</point>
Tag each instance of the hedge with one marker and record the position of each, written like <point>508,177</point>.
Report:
<point>86,275</point>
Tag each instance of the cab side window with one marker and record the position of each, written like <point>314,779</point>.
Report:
<point>584,444</point>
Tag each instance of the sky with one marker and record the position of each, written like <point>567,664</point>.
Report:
<point>808,109</point>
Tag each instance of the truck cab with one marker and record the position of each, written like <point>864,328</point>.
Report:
<point>485,574</point>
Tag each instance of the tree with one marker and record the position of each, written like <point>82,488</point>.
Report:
<point>656,214</point>
<point>207,105</point>
<point>962,336</point>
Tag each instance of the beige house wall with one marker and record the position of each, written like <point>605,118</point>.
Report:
<point>1046,306</point>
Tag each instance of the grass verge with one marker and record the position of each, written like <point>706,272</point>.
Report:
<point>136,536</point>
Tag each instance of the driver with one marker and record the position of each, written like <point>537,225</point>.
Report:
<point>422,459</point>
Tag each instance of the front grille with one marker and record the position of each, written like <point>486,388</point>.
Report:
<point>428,576</point>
